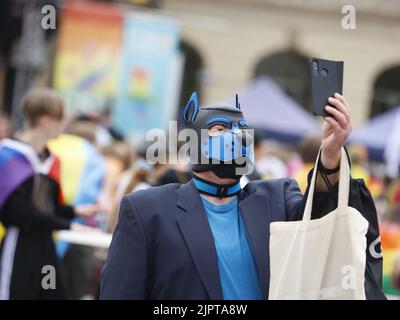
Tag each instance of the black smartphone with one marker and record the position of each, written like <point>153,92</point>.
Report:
<point>326,79</point>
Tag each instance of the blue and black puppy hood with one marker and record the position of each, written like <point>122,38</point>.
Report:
<point>223,154</point>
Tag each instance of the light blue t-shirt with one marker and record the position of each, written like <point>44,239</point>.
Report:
<point>237,269</point>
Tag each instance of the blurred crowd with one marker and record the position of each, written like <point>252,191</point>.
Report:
<point>123,169</point>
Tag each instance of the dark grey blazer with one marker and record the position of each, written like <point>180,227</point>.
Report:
<point>163,247</point>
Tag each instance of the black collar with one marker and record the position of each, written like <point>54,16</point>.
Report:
<point>216,190</point>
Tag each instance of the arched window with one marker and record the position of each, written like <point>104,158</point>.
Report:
<point>192,75</point>
<point>386,91</point>
<point>290,70</point>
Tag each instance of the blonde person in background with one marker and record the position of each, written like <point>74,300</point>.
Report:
<point>30,206</point>
<point>119,157</point>
<point>139,177</point>
<point>359,170</point>
<point>359,162</point>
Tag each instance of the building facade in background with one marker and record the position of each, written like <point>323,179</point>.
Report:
<point>238,40</point>
<point>227,43</point>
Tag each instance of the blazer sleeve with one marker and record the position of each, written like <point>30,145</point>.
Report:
<point>124,275</point>
<point>295,201</point>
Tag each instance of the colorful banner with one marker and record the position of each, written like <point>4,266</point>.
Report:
<point>390,235</point>
<point>150,71</point>
<point>86,66</point>
<point>82,170</point>
<point>129,62</point>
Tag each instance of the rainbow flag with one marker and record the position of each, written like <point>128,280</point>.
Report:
<point>90,32</point>
<point>18,162</point>
<point>82,170</point>
<point>390,236</point>
<point>15,168</point>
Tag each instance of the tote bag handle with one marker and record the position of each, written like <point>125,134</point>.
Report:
<point>344,186</point>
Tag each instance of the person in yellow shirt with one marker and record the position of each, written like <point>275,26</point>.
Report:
<point>359,159</point>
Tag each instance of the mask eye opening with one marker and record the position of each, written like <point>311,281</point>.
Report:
<point>219,120</point>
<point>218,123</point>
<point>243,124</point>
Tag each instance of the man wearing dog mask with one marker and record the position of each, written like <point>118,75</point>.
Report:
<point>209,238</point>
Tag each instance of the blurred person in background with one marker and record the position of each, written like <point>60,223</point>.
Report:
<point>270,164</point>
<point>5,125</point>
<point>105,122</point>
<point>138,177</point>
<point>308,150</point>
<point>118,157</point>
<point>395,276</point>
<point>360,170</point>
<point>84,129</point>
<point>83,169</point>
<point>396,194</point>
<point>104,132</point>
<point>31,202</point>
<point>123,175</point>
<point>171,174</point>
<point>165,173</point>
<point>390,234</point>
<point>393,192</point>
<point>359,162</point>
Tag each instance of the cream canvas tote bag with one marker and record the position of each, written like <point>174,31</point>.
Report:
<point>322,258</point>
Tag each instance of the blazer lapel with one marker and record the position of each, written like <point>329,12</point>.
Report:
<point>197,233</point>
<point>255,211</point>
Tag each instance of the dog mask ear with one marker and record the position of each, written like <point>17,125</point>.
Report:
<point>237,102</point>
<point>191,110</point>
